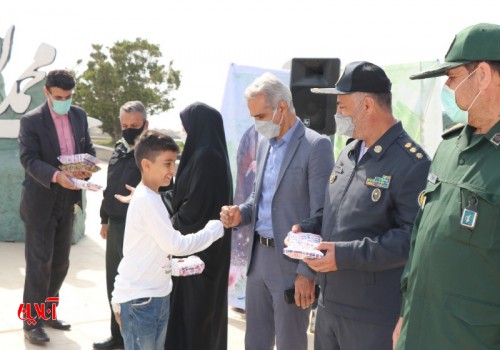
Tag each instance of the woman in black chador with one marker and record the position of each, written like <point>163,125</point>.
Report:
<point>198,313</point>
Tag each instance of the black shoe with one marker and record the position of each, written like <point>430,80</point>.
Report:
<point>110,343</point>
<point>58,324</point>
<point>36,335</point>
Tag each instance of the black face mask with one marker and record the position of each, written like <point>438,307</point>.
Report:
<point>131,134</point>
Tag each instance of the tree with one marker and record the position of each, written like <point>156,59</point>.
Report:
<point>130,70</point>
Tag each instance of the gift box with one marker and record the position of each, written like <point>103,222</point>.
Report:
<point>86,185</point>
<point>189,266</point>
<point>79,163</point>
<point>302,245</point>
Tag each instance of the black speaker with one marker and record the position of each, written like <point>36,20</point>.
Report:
<point>315,110</point>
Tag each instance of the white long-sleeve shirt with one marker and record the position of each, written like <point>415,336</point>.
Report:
<point>149,239</point>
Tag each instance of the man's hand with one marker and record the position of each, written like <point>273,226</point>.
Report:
<point>126,199</point>
<point>396,333</point>
<point>230,215</point>
<point>304,291</point>
<point>104,231</point>
<point>82,175</point>
<point>64,180</point>
<point>326,263</point>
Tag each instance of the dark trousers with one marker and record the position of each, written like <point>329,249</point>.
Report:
<point>334,332</point>
<point>114,254</point>
<point>47,254</point>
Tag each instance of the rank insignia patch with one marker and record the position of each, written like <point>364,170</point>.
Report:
<point>379,182</point>
<point>495,139</point>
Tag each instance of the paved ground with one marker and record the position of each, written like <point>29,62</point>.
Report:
<point>83,295</point>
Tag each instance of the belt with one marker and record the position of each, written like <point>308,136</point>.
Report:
<point>268,242</point>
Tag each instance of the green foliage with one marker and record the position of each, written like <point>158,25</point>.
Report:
<point>128,71</point>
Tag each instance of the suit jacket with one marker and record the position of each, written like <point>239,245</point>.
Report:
<point>300,192</point>
<point>38,151</point>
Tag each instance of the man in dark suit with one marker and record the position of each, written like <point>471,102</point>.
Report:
<point>293,166</point>
<point>49,196</point>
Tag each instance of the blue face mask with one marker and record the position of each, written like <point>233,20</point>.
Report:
<point>61,107</point>
<point>450,106</point>
<point>448,99</point>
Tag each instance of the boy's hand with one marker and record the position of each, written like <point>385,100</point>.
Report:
<point>118,319</point>
<point>230,215</point>
<point>216,227</point>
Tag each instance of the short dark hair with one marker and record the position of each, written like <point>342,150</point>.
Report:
<point>495,65</point>
<point>151,143</point>
<point>60,78</point>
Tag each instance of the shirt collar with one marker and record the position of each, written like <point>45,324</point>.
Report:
<point>383,143</point>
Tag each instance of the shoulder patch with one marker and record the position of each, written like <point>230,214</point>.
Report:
<point>454,130</point>
<point>411,147</point>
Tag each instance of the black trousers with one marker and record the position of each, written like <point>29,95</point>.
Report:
<point>47,254</point>
<point>114,254</point>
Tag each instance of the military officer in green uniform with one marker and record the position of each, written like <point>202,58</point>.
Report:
<point>451,283</point>
<point>370,205</point>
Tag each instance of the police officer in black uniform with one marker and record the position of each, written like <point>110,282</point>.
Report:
<point>370,205</point>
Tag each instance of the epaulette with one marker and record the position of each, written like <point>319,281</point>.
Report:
<point>412,148</point>
<point>455,129</point>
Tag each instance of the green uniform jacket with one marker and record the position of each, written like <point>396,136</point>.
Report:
<point>451,283</point>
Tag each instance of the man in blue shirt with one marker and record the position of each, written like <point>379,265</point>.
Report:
<point>293,166</point>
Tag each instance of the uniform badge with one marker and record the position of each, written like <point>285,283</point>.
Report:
<point>413,150</point>
<point>376,194</point>
<point>408,145</point>
<point>379,182</point>
<point>469,215</point>
<point>333,177</point>
<point>495,139</point>
<point>432,178</point>
<point>377,149</point>
<point>419,155</point>
<point>421,199</point>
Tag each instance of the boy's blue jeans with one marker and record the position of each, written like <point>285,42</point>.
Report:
<point>144,323</point>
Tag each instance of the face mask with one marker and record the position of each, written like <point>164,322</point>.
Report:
<point>61,107</point>
<point>267,128</point>
<point>448,99</point>
<point>345,126</point>
<point>131,134</point>
<point>450,106</point>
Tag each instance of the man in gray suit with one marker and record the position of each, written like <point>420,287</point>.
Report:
<point>48,196</point>
<point>371,203</point>
<point>293,166</point>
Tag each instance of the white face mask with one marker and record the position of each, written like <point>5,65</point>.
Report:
<point>345,126</point>
<point>267,127</point>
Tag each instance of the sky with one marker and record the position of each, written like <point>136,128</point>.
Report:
<point>203,38</point>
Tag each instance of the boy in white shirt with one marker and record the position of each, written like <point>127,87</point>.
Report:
<point>141,294</point>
